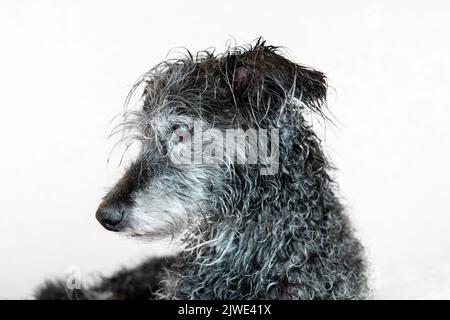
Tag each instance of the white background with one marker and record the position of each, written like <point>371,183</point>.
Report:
<point>66,67</point>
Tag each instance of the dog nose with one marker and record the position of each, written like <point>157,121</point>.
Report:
<point>109,217</point>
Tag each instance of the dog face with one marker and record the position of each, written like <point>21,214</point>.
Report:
<point>161,196</point>
<point>158,197</point>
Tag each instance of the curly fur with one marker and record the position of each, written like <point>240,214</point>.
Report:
<point>244,235</point>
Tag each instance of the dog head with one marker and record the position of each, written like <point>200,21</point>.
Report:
<point>172,185</point>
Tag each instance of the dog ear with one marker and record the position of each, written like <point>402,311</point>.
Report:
<point>262,67</point>
<point>310,85</point>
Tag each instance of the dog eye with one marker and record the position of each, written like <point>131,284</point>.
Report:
<point>181,131</point>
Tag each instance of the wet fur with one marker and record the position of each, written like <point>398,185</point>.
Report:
<point>246,235</point>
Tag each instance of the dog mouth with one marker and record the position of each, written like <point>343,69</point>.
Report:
<point>167,228</point>
<point>151,235</point>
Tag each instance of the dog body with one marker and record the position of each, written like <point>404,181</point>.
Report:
<point>270,229</point>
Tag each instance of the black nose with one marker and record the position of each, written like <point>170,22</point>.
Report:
<point>110,217</point>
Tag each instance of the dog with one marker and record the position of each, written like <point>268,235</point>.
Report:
<point>271,228</point>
